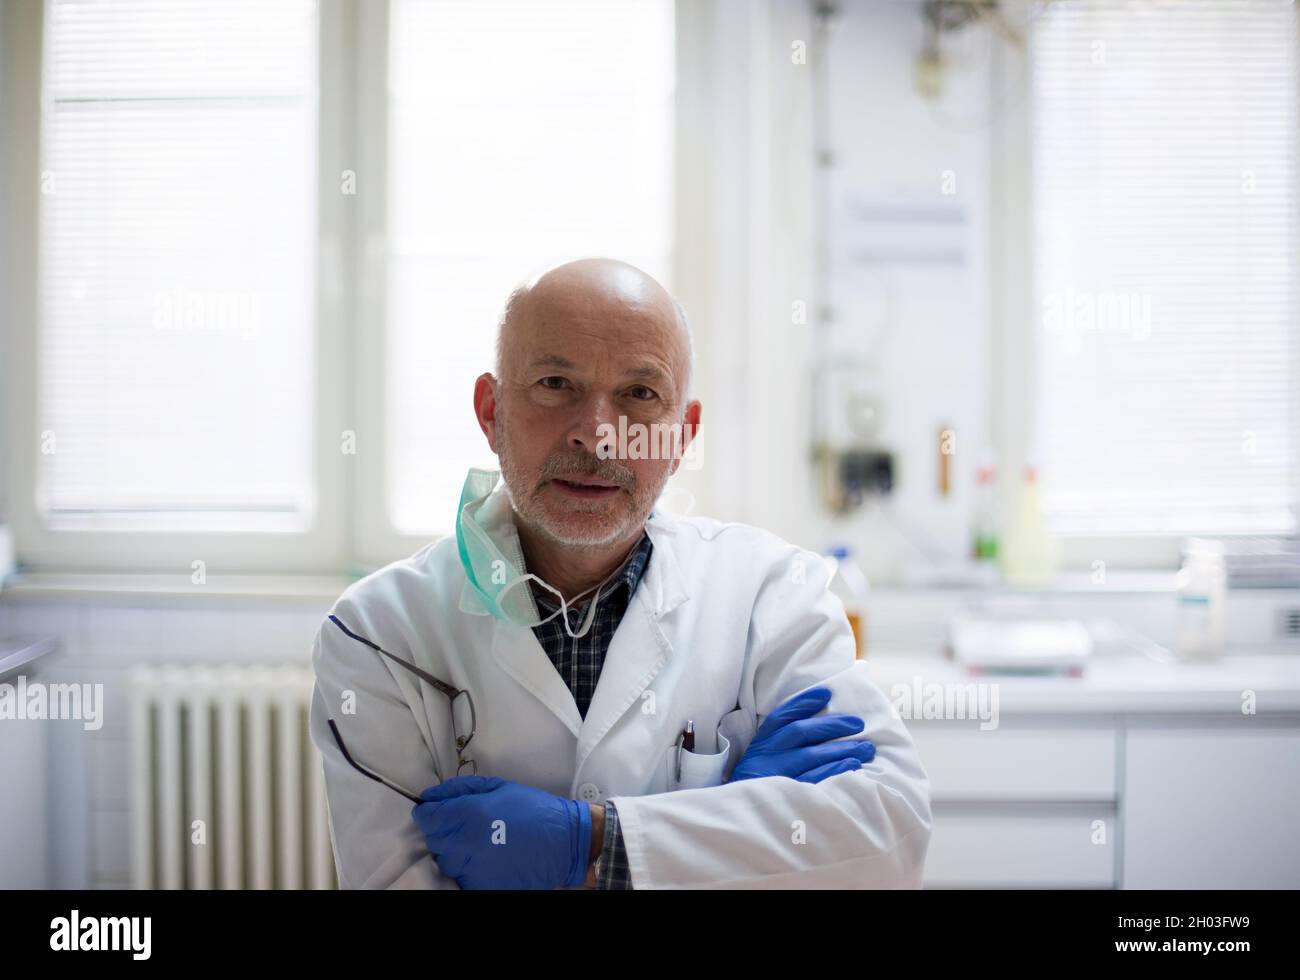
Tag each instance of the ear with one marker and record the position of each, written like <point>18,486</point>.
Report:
<point>690,425</point>
<point>485,407</point>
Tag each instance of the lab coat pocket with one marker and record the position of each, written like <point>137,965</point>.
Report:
<point>700,769</point>
<point>697,769</point>
<point>737,729</point>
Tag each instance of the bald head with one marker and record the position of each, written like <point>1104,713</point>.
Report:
<point>589,293</point>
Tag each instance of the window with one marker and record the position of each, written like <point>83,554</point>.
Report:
<point>271,246</point>
<point>522,134</point>
<point>1164,246</point>
<point>177,265</point>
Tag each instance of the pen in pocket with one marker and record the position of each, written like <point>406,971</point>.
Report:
<point>685,742</point>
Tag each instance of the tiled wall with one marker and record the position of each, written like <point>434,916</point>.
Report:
<point>101,638</point>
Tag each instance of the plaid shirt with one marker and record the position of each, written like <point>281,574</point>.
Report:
<point>579,661</point>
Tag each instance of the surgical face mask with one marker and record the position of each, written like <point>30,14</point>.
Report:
<point>497,578</point>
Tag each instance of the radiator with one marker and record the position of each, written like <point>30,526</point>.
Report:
<point>227,789</point>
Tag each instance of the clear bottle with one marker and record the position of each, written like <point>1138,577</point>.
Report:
<point>1028,552</point>
<point>849,582</point>
<point>1202,592</point>
<point>984,541</point>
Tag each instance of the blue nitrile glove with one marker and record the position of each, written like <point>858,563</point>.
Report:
<point>487,832</point>
<point>792,743</point>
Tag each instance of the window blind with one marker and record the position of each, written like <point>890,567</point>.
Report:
<point>177,264</point>
<point>1164,255</point>
<point>522,135</point>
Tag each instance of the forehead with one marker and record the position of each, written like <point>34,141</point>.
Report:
<point>595,333</point>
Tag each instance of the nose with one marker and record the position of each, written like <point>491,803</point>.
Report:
<point>586,432</point>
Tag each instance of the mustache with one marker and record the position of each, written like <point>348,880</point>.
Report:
<point>609,470</point>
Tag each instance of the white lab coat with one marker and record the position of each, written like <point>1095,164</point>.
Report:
<point>725,615</point>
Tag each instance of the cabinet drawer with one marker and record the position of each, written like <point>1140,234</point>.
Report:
<point>1212,803</point>
<point>1017,762</point>
<point>1038,847</point>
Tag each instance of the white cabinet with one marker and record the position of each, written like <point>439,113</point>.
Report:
<point>25,769</point>
<point>1212,803</point>
<point>1023,846</point>
<point>1030,803</point>
<point>23,816</point>
<point>1102,801</point>
<point>1138,774</point>
<point>1027,759</point>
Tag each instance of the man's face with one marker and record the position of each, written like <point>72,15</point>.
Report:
<point>567,374</point>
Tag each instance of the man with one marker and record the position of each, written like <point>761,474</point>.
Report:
<point>576,689</point>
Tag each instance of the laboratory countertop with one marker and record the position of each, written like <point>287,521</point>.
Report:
<point>1131,684</point>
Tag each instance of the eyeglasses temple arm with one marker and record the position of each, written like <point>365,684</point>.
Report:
<point>367,772</point>
<point>442,686</point>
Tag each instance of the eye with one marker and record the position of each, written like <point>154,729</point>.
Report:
<point>642,393</point>
<point>560,382</point>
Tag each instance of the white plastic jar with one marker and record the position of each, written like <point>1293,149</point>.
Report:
<point>1202,593</point>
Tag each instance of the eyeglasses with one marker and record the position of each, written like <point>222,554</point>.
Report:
<point>454,695</point>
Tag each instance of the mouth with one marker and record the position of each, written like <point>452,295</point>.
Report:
<point>585,487</point>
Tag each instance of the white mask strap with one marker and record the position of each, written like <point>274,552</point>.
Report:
<point>563,611</point>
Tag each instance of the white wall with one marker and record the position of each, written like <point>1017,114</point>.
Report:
<point>756,366</point>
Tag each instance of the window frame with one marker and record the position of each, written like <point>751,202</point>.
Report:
<point>320,548</point>
<point>1014,390</point>
<point>376,539</point>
